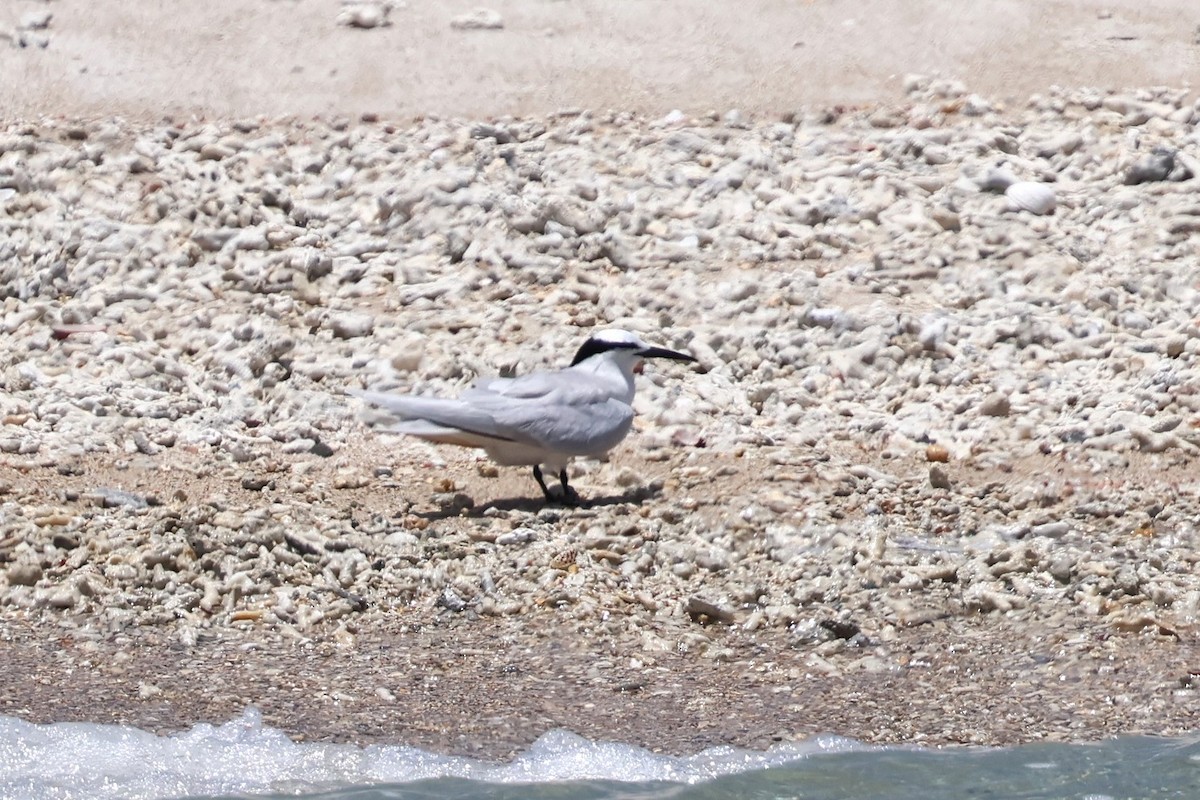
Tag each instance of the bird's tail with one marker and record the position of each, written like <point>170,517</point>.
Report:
<point>434,419</point>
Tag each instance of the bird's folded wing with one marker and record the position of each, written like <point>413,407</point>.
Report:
<point>577,428</point>
<point>559,420</point>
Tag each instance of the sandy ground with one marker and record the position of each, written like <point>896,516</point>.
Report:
<point>453,687</point>
<point>283,57</point>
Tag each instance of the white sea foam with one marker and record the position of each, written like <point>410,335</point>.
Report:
<point>79,760</point>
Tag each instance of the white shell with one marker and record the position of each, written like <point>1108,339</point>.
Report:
<point>1036,198</point>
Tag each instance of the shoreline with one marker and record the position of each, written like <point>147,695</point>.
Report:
<point>454,694</point>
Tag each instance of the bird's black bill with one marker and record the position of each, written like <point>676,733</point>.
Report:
<point>662,352</point>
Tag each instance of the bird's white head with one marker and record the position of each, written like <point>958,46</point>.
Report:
<point>623,347</point>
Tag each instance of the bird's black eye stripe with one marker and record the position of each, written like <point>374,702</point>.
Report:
<point>594,347</point>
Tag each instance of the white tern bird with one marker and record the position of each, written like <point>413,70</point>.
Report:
<point>540,419</point>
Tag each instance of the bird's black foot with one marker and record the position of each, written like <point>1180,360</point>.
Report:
<point>567,497</point>
<point>570,497</point>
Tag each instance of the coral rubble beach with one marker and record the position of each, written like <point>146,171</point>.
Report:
<point>933,481</point>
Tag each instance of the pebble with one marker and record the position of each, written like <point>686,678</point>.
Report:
<point>351,326</point>
<point>995,404</point>
<point>365,15</point>
<point>63,598</point>
<point>938,478</point>
<point>36,20</point>
<point>480,19</point>
<point>705,610</point>
<point>516,536</point>
<point>350,479</point>
<point>1051,530</point>
<point>1160,165</point>
<point>24,574</point>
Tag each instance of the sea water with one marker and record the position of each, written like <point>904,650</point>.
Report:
<point>244,758</point>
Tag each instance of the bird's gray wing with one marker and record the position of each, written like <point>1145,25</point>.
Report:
<point>552,411</point>
<point>558,421</point>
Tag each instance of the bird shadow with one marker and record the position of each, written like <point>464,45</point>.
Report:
<point>633,496</point>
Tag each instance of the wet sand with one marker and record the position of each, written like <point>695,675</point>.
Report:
<point>488,689</point>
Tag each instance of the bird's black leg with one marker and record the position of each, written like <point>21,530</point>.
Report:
<point>537,476</point>
<point>570,496</point>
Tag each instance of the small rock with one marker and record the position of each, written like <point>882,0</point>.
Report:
<point>256,483</point>
<point>995,404</point>
<point>351,326</point>
<point>300,545</point>
<point>1064,144</point>
<point>38,20</point>
<point>64,598</point>
<point>997,180</point>
<point>516,536</point>
<point>365,15</point>
<point>148,691</point>
<point>1155,167</point>
<point>65,541</point>
<point>481,19</point>
<point>703,611</point>
<point>61,332</point>
<point>350,479</point>
<point>450,600</point>
<point>945,218</point>
<point>56,520</point>
<point>842,629</point>
<point>938,478</point>
<point>886,118</point>
<point>1051,530</point>
<point>213,240</point>
<point>982,598</point>
<point>24,574</point>
<point>33,39</point>
<point>215,151</point>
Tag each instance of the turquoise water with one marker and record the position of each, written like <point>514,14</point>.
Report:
<point>245,758</point>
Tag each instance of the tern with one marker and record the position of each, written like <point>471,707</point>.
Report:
<point>543,419</point>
